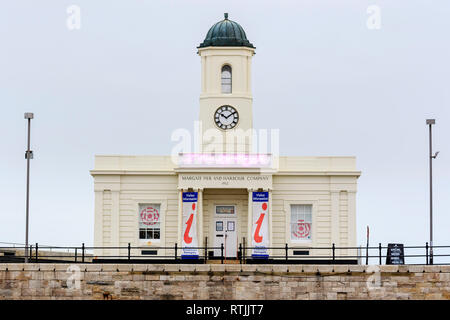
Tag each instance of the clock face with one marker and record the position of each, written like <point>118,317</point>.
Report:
<point>226,117</point>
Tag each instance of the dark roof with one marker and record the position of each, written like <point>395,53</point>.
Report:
<point>226,33</point>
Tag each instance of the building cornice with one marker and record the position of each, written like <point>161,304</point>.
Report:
<point>230,96</point>
<point>225,51</point>
<point>318,173</point>
<point>132,172</point>
<point>225,170</point>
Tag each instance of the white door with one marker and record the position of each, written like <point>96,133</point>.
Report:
<point>225,233</point>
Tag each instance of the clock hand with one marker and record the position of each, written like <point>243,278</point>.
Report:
<point>223,120</point>
<point>229,115</point>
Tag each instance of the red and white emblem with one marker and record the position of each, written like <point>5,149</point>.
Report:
<point>149,216</point>
<point>303,229</point>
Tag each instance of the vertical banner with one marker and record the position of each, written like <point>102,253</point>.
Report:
<point>189,232</point>
<point>260,229</point>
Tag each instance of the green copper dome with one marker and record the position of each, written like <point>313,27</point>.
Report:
<point>226,33</point>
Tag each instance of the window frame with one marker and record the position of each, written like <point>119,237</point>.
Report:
<point>150,228</point>
<point>222,78</point>
<point>287,209</point>
<point>291,207</point>
<point>225,214</point>
<point>137,201</point>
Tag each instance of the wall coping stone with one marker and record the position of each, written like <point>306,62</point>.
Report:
<point>205,268</point>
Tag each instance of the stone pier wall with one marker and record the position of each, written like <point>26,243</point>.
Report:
<point>142,281</point>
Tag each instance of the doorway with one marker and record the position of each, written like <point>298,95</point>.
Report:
<point>225,230</point>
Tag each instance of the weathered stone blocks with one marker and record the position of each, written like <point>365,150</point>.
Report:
<point>184,281</point>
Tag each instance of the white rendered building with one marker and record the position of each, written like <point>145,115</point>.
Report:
<point>225,193</point>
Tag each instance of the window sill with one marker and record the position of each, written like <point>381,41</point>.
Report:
<point>145,242</point>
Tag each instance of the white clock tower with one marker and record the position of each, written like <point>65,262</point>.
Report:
<point>226,97</point>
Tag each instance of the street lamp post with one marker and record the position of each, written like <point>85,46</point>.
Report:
<point>430,122</point>
<point>28,156</point>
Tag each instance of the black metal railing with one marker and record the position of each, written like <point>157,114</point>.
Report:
<point>170,254</point>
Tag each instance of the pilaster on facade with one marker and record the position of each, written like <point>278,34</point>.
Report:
<point>270,221</point>
<point>335,218</point>
<point>352,220</point>
<point>115,218</point>
<point>200,217</point>
<point>180,215</point>
<point>250,218</point>
<point>98,222</point>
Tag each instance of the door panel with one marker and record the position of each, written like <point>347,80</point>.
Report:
<point>225,232</point>
<point>231,239</point>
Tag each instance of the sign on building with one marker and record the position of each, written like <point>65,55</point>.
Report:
<point>189,232</point>
<point>260,229</point>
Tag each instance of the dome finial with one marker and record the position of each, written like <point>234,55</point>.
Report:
<point>226,16</point>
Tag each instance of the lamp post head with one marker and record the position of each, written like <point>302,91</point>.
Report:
<point>431,121</point>
<point>28,115</point>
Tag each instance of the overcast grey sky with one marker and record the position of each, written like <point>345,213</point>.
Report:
<point>331,85</point>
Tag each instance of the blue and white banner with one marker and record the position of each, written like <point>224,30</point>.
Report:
<point>260,229</point>
<point>189,229</point>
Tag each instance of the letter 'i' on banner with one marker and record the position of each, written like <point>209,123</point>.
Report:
<point>189,235</point>
<point>260,229</point>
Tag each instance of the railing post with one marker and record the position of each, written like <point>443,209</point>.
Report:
<point>426,252</point>
<point>221,253</point>
<point>76,254</point>
<point>30,253</point>
<point>334,249</point>
<point>431,253</point>
<point>379,252</point>
<point>176,250</point>
<point>286,251</point>
<point>206,249</point>
<point>367,253</point>
<point>82,252</point>
<point>37,246</point>
<point>129,251</point>
<point>240,253</point>
<point>244,250</point>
